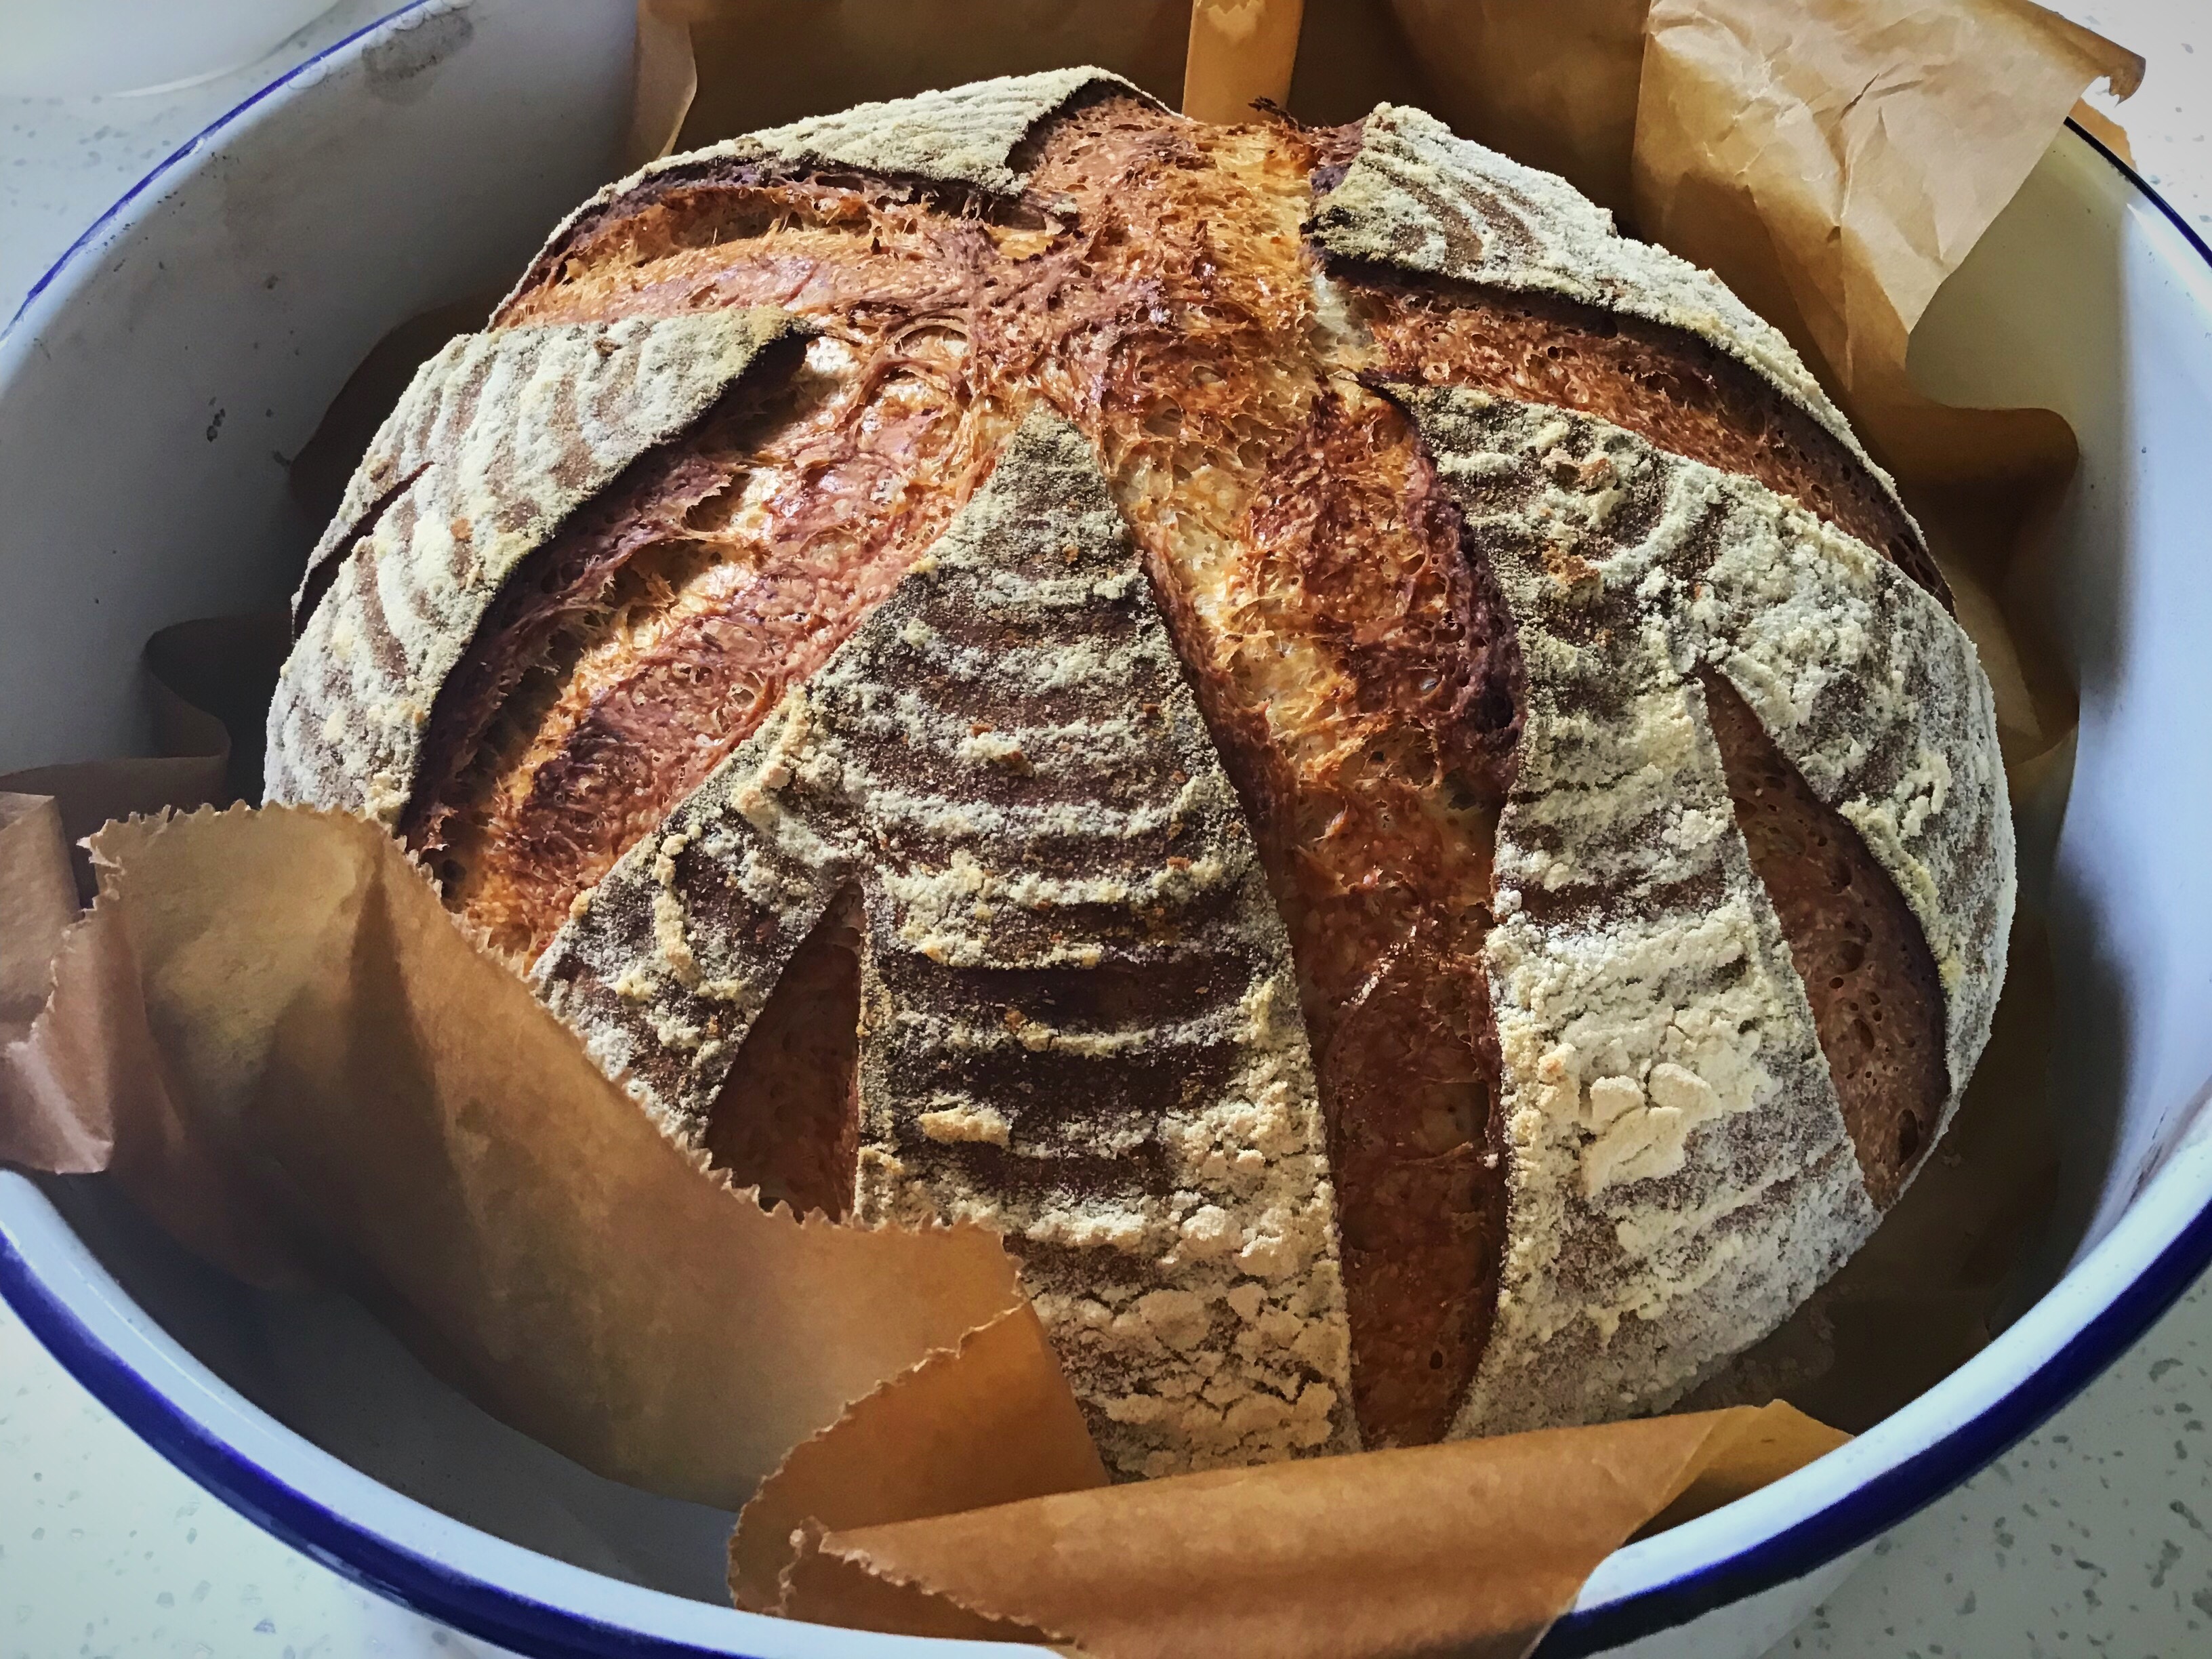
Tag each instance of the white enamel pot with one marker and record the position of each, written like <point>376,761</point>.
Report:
<point>155,381</point>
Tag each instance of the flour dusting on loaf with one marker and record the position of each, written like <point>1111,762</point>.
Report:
<point>1417,197</point>
<point>1079,1020</point>
<point>1680,1163</point>
<point>1372,752</point>
<point>499,438</point>
<point>965,136</point>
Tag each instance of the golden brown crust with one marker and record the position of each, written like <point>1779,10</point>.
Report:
<point>501,439</point>
<point>1078,1011</point>
<point>1381,851</point>
<point>1153,281</point>
<point>662,630</point>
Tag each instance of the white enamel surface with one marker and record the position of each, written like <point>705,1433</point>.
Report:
<point>197,341</point>
<point>57,48</point>
<point>437,154</point>
<point>2128,604</point>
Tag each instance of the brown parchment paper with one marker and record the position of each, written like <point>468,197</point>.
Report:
<point>269,1031</point>
<point>271,1034</point>
<point>1240,51</point>
<point>966,1429</point>
<point>1434,1550</point>
<point>399,1113</point>
<point>207,686</point>
<point>38,906</point>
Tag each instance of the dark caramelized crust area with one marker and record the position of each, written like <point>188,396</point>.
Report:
<point>1669,388</point>
<point>1385,887</point>
<point>494,698</point>
<point>787,1121</point>
<point>1877,1001</point>
<point>656,632</point>
<point>1355,665</point>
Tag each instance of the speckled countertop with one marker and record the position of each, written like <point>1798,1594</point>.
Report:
<point>2093,1536</point>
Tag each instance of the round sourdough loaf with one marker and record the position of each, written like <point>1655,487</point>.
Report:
<point>1360,765</point>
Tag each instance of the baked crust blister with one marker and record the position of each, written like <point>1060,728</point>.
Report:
<point>1641,1158</point>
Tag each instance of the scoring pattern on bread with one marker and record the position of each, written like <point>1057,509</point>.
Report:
<point>967,136</point>
<point>1593,1120</point>
<point>1079,1021</point>
<point>1680,1161</point>
<point>499,439</point>
<point>1417,197</point>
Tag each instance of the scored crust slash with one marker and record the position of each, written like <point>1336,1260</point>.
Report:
<point>1373,774</point>
<point>1067,936</point>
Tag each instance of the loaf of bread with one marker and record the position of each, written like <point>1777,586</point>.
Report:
<point>1363,767</point>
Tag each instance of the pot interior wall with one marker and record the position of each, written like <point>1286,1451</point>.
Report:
<point>2085,299</point>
